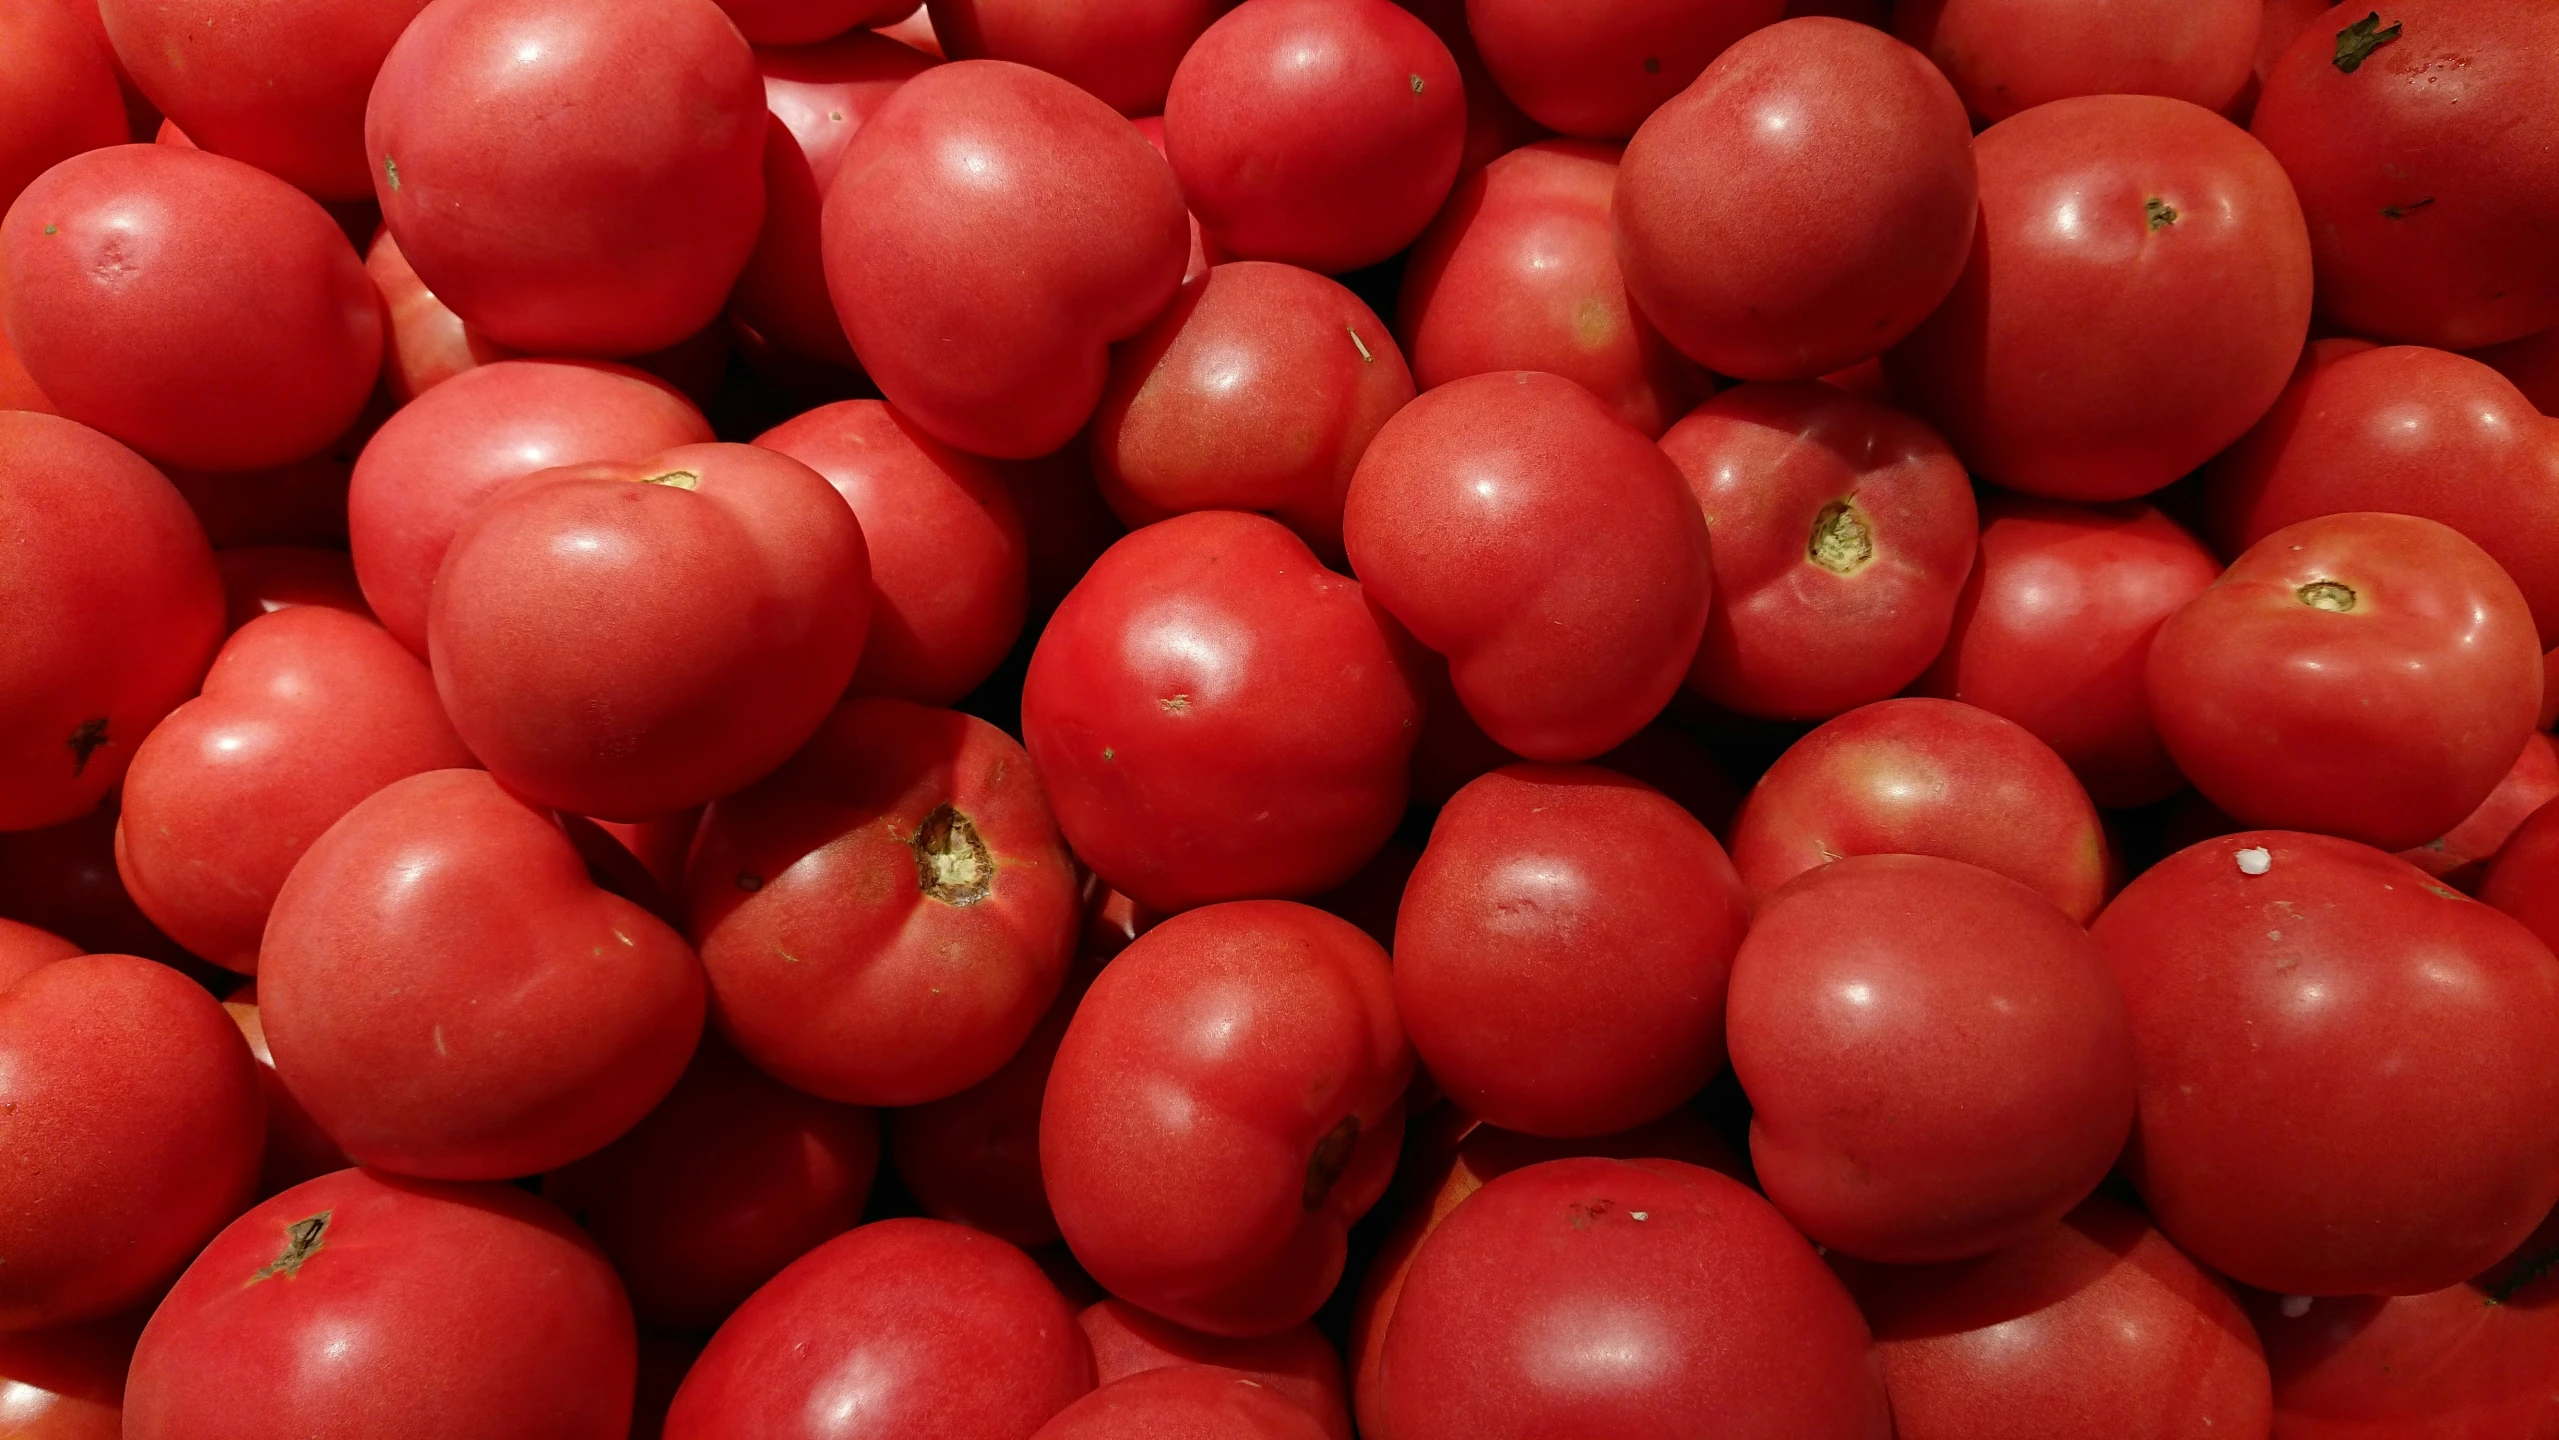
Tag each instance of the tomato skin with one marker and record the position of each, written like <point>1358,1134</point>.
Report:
<point>1274,1023</point>
<point>1298,1364</point>
<point>262,579</point>
<point>25,949</point>
<point>1512,524</point>
<point>63,879</point>
<point>1761,263</point>
<point>2523,880</point>
<point>1121,51</point>
<point>2005,56</point>
<point>806,22</point>
<point>1259,389</point>
<point>1520,272</point>
<point>1596,70</point>
<point>61,97</point>
<point>424,1310</point>
<point>297,1148</point>
<point>2053,630</point>
<point>68,1384</point>
<point>2043,366</point>
<point>951,1333</point>
<point>2460,855</point>
<point>1322,133</point>
<point>2095,1326</point>
<point>425,343</point>
<point>2433,220</point>
<point>2270,1145</point>
<point>2532,363</point>
<point>1494,125</point>
<point>2386,716</point>
<point>1185,1402</point>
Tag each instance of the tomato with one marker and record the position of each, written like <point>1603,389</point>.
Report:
<point>63,879</point>
<point>2011,55</point>
<point>2346,1085</point>
<point>426,344</point>
<point>1298,1364</point>
<point>67,1384</point>
<point>906,1328</point>
<point>1926,777</point>
<point>1494,125</point>
<point>24,949</point>
<point>432,986</point>
<point>1514,525</point>
<point>2364,675</point>
<point>2053,631</point>
<point>297,1148</point>
<point>2460,854</point>
<point>1152,127</point>
<point>372,1307</point>
<point>242,331</point>
<point>2532,363</point>
<point>1598,69</point>
<point>974,1158</point>
<point>990,232</point>
<point>2095,1326</point>
<point>1761,262</point>
<point>60,98</point>
<point>1520,272</point>
<point>1227,1101</point>
<point>262,579</point>
<point>1122,51</point>
<point>1215,715</point>
<point>438,459</point>
<point>915,32</point>
<point>1064,519</point>
<point>2107,222</point>
<point>802,22</point>
<point>2422,147</point>
<point>1185,1402</point>
<point>130,1125</point>
<point>1613,1297</point>
<point>18,390</point>
<point>1454,750</point>
<point>1324,133</point>
<point>2523,880</point>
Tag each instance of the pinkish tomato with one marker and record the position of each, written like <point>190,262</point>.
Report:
<point>2523,880</point>
<point>1598,68</point>
<point>60,98</point>
<point>1122,51</point>
<point>1297,1363</point>
<point>1182,1401</point>
<point>2010,55</point>
<point>297,1148</point>
<point>24,949</point>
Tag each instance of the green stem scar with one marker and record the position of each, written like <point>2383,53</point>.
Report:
<point>301,1241</point>
<point>2356,42</point>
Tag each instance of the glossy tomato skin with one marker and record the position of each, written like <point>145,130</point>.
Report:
<point>886,918</point>
<point>1184,1402</point>
<point>61,97</point>
<point>991,231</point>
<point>304,713</point>
<point>1215,715</point>
<point>2011,55</point>
<point>372,1307</point>
<point>424,342</point>
<point>1520,272</point>
<point>242,333</point>
<point>1549,986</point>
<point>2272,1145</point>
<point>2360,674</point>
<point>68,1383</point>
<point>804,22</point>
<point>1514,525</point>
<point>131,1125</point>
<point>1597,70</point>
<point>2460,854</point>
<point>417,944</point>
<point>597,199</point>
<point>262,579</point>
<point>2053,631</point>
<point>1121,51</point>
<point>1759,260</point>
<point>1926,777</point>
<point>1259,389</point>
<point>297,1148</point>
<point>1718,1316</point>
<point>2435,223</point>
<point>1298,1364</point>
<point>2094,1326</point>
<point>1494,125</point>
<point>2523,880</point>
<point>1225,1210</point>
<point>1323,133</point>
<point>2104,220</point>
<point>944,1333</point>
<point>115,610</point>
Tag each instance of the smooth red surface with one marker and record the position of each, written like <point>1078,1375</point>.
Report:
<point>2532,363</point>
<point>1493,124</point>
<point>426,344</point>
<point>2365,675</point>
<point>262,579</point>
<point>2096,349</point>
<point>900,1330</point>
<point>2523,880</point>
<point>2346,1085</point>
<point>2461,853</point>
<point>1122,51</point>
<point>1298,1364</point>
<point>417,1311</point>
<point>1801,207</point>
<point>25,949</point>
<point>2010,55</point>
<point>1184,1402</point>
<point>801,22</point>
<point>297,1148</point>
<point>450,995</point>
<point>61,94</point>
<point>67,1384</point>
<point>1597,69</point>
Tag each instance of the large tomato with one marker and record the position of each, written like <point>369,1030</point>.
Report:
<point>2523,880</point>
<point>2461,853</point>
<point>60,98</point>
<point>1123,51</point>
<point>297,1148</point>
<point>1179,1402</point>
<point>1297,1363</point>
<point>1599,67</point>
<point>63,879</point>
<point>25,949</point>
<point>2532,363</point>
<point>2010,55</point>
<point>67,1383</point>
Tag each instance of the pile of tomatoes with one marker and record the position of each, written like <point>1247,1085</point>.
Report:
<point>1470,720</point>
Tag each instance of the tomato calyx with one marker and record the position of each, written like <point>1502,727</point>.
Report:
<point>302,1240</point>
<point>1332,1156</point>
<point>2528,1271</point>
<point>1841,543</point>
<point>87,738</point>
<point>2329,595</point>
<point>2160,213</point>
<point>2356,42</point>
<point>952,863</point>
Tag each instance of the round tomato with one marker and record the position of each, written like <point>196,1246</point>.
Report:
<point>24,949</point>
<point>2532,363</point>
<point>63,878</point>
<point>803,22</point>
<point>424,343</point>
<point>1185,1401</point>
<point>2010,55</point>
<point>1298,1363</point>
<point>297,1148</point>
<point>2461,853</point>
<point>68,1383</point>
<point>60,97</point>
<point>1122,51</point>
<point>2523,880</point>
<point>1598,68</point>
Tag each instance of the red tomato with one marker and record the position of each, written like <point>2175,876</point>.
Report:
<point>24,949</point>
<point>904,1328</point>
<point>130,1125</point>
<point>2461,853</point>
<point>1761,261</point>
<point>67,1384</point>
<point>1227,1101</point>
<point>2364,675</point>
<point>1494,125</point>
<point>1514,525</point>
<point>63,879</point>
<point>2532,363</point>
<point>886,917</point>
<point>1258,390</point>
<point>1122,51</point>
<point>1548,986</point>
<point>1324,133</point>
<point>2010,55</point>
<point>431,987</point>
<point>241,331</point>
<point>17,388</point>
<point>802,22</point>
<point>60,95</point>
<point>1064,519</point>
<point>426,344</point>
<point>950,565</point>
<point>1935,1055</point>
<point>2523,880</point>
<point>1612,1297</point>
<point>262,579</point>
<point>1185,1402</point>
<point>2096,1326</point>
<point>297,1148</point>
<point>1842,533</point>
<point>2346,1081</point>
<point>974,1158</point>
<point>1597,69</point>
<point>1215,716</point>
<point>1298,1364</point>
<point>1152,127</point>
<point>1520,272</point>
<point>990,232</point>
<point>438,459</point>
<point>1926,777</point>
<point>2423,146</point>
<point>371,1307</point>
<point>2108,221</point>
<point>2053,631</point>
<point>739,572</point>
